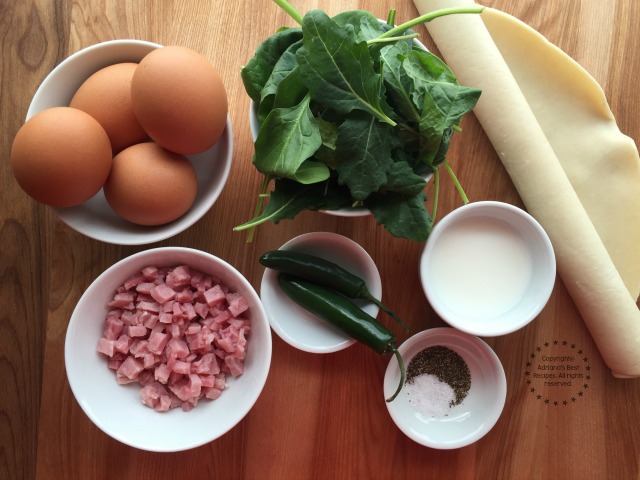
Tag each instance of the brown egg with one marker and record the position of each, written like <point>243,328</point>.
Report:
<point>179,99</point>
<point>106,96</point>
<point>150,185</point>
<point>61,157</point>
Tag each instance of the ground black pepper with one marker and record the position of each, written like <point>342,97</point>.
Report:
<point>445,364</point>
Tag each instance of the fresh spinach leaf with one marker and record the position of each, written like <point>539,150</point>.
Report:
<point>287,138</point>
<point>258,69</point>
<point>337,69</point>
<point>444,105</point>
<point>291,91</point>
<point>403,216</point>
<point>402,179</point>
<point>329,134</point>
<point>282,68</point>
<point>363,154</point>
<point>399,84</point>
<point>354,18</point>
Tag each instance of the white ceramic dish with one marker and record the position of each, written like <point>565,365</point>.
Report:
<point>94,218</point>
<point>488,268</point>
<point>465,423</point>
<point>300,328</point>
<point>117,409</point>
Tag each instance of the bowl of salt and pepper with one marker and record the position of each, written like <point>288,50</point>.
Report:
<point>488,269</point>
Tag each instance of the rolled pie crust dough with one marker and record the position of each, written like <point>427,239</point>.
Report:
<point>576,173</point>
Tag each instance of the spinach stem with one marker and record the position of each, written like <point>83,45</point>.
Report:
<point>391,18</point>
<point>427,17</point>
<point>463,195</point>
<point>392,39</point>
<point>287,7</point>
<point>259,206</point>
<point>436,195</point>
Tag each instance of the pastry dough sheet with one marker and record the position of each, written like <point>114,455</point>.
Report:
<point>555,135</point>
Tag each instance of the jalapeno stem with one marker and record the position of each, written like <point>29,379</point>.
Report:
<point>402,374</point>
<point>366,295</point>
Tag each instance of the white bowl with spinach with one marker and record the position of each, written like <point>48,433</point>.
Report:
<point>351,114</point>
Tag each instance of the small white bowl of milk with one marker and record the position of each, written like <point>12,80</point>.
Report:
<point>488,268</point>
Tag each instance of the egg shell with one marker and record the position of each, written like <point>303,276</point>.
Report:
<point>106,96</point>
<point>61,157</point>
<point>150,185</point>
<point>179,99</point>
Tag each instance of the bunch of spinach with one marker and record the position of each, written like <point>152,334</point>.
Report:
<point>352,114</point>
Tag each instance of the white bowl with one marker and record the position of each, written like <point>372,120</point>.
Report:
<point>466,422</point>
<point>95,218</point>
<point>117,409</point>
<point>295,325</point>
<point>488,268</point>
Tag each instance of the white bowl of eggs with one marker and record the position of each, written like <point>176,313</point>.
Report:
<point>129,142</point>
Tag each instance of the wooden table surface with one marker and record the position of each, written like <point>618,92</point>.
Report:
<point>319,416</point>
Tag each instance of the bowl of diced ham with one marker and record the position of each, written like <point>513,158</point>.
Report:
<point>168,349</point>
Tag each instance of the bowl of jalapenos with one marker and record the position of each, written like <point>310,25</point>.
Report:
<point>295,324</point>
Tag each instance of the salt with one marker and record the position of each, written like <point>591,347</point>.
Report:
<point>429,396</point>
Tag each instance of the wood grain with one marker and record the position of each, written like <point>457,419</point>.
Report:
<point>319,416</point>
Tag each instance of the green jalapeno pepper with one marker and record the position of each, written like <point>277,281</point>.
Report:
<point>325,273</point>
<point>342,313</point>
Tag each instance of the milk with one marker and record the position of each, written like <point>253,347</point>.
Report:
<point>481,267</point>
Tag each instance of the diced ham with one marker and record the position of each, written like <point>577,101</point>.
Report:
<point>132,282</point>
<point>237,304</point>
<point>226,343</point>
<point>106,346</point>
<point>179,276</point>
<point>115,361</point>
<point>207,365</point>
<point>222,317</point>
<point>213,393</point>
<point>138,348</point>
<point>145,287</point>
<point>157,342</point>
<point>179,366</point>
<point>149,306</point>
<point>149,360</point>
<point>236,367</point>
<point>137,330</point>
<point>202,309</point>
<point>214,295</point>
<point>130,368</point>
<point>149,319</point>
<point>145,377</point>
<point>122,300</point>
<point>129,317</point>
<point>176,332</point>
<point>220,382</point>
<point>161,373</point>
<point>184,295</point>
<point>113,328</point>
<point>177,348</point>
<point>150,273</point>
<point>178,312</point>
<point>189,311</point>
<point>162,293</point>
<point>202,340</point>
<point>122,344</point>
